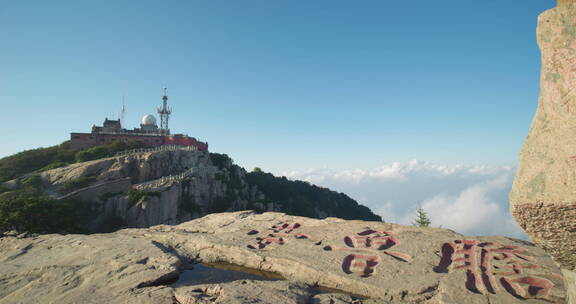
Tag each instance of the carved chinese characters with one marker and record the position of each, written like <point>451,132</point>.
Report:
<point>488,268</point>
<point>365,249</point>
<point>492,266</point>
<point>277,235</point>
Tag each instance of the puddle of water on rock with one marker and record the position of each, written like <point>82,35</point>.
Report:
<point>213,273</point>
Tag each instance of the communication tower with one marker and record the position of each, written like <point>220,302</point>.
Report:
<point>122,111</point>
<point>164,113</point>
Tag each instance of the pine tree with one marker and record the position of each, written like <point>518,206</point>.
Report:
<point>422,219</point>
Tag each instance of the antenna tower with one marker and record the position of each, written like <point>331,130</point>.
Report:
<point>164,113</point>
<point>122,111</point>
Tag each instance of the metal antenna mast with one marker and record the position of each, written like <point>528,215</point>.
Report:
<point>122,111</point>
<point>164,113</point>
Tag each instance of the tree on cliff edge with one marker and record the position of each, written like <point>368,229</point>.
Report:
<point>422,219</point>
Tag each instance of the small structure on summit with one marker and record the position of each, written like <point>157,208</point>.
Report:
<point>148,134</point>
<point>164,112</point>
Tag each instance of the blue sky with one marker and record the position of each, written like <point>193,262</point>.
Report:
<point>282,85</point>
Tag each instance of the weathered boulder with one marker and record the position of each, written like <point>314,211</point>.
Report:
<point>543,197</point>
<point>380,262</point>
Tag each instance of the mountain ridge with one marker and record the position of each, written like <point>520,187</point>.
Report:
<point>140,188</point>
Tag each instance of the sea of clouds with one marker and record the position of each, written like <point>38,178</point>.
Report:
<point>472,200</point>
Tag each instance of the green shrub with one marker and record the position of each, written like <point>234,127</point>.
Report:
<point>37,213</point>
<point>104,151</point>
<point>135,196</point>
<point>31,160</point>
<point>139,195</point>
<point>33,181</point>
<point>302,198</point>
<point>234,182</point>
<point>219,176</point>
<point>56,156</point>
<point>220,160</point>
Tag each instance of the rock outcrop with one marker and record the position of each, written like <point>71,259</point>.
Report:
<point>543,198</point>
<point>157,187</point>
<point>171,185</point>
<point>321,261</point>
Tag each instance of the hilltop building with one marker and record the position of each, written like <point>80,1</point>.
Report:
<point>149,133</point>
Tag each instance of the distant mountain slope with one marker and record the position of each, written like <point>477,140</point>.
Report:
<point>297,197</point>
<point>147,187</point>
<point>304,199</point>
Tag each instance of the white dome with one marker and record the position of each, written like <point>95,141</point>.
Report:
<point>149,120</point>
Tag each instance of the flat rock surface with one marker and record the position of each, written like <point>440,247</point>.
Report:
<point>322,261</point>
<point>245,291</point>
<point>84,269</point>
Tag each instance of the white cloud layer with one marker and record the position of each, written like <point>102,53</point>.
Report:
<point>472,200</point>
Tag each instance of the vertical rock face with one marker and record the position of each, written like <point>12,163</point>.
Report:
<point>170,186</point>
<point>543,197</point>
<point>152,188</point>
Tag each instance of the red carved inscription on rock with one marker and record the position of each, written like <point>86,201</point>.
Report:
<point>276,234</point>
<point>490,266</point>
<point>365,249</point>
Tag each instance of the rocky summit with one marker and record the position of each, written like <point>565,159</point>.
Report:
<point>313,261</point>
<point>170,185</point>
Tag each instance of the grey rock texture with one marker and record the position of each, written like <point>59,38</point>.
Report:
<point>173,186</point>
<point>376,262</point>
<point>543,197</point>
<point>246,291</point>
<point>84,269</point>
<point>570,283</point>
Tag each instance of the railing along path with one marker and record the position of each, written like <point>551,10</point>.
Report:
<point>156,149</point>
<point>170,179</point>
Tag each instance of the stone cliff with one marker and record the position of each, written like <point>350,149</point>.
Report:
<point>543,197</point>
<point>142,189</point>
<point>171,185</point>
<point>330,261</point>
